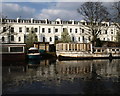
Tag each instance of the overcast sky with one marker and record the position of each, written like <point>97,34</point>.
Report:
<point>43,10</point>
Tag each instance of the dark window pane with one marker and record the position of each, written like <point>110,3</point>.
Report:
<point>43,30</point>
<point>56,30</point>
<point>4,29</point>
<point>12,29</point>
<point>20,29</point>
<point>27,29</point>
<point>36,29</point>
<point>12,38</point>
<point>16,49</point>
<point>4,49</point>
<point>3,39</point>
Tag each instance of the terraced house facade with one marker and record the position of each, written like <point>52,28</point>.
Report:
<point>49,31</point>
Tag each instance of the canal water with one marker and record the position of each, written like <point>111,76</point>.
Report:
<point>61,77</point>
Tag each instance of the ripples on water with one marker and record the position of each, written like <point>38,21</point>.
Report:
<point>62,77</point>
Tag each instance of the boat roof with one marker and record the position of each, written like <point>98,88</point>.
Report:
<point>33,48</point>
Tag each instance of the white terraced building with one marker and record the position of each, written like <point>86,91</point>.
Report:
<point>49,31</point>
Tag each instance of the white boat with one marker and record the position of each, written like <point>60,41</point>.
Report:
<point>85,51</point>
<point>33,53</point>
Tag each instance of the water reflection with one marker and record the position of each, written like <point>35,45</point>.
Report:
<point>83,76</point>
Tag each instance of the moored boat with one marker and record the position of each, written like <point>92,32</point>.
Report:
<point>33,53</point>
<point>85,51</point>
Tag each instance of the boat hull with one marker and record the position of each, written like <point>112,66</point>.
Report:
<point>13,57</point>
<point>33,56</point>
<point>78,56</point>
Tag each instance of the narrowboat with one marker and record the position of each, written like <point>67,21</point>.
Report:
<point>12,52</point>
<point>85,51</point>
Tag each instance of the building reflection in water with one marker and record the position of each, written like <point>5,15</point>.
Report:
<point>56,71</point>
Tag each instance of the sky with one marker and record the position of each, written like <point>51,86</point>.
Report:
<point>42,10</point>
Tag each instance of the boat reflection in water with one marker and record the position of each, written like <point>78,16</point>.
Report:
<point>63,77</point>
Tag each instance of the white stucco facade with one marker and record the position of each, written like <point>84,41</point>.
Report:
<point>48,31</point>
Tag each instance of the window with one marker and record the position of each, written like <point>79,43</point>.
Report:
<point>111,38</point>
<point>16,49</point>
<point>111,31</point>
<point>12,29</point>
<point>73,39</point>
<point>56,30</point>
<point>58,22</point>
<point>4,29</point>
<point>27,29</point>
<point>99,31</point>
<point>43,30</point>
<point>49,30</point>
<point>20,29</point>
<point>82,30</point>
<point>4,49</point>
<point>63,29</point>
<point>50,38</point>
<point>43,39</point>
<point>36,38</point>
<point>117,49</point>
<point>102,50</point>
<point>113,49</point>
<point>3,39</point>
<point>75,30</point>
<point>36,29</point>
<point>98,50</point>
<point>83,38</point>
<point>105,31</point>
<point>89,38</point>
<point>70,30</point>
<point>79,39</point>
<point>56,37</point>
<point>83,23</point>
<point>19,39</point>
<point>12,38</point>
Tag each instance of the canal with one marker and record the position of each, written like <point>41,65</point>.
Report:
<point>61,77</point>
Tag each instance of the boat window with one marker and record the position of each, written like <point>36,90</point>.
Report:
<point>98,50</point>
<point>4,49</point>
<point>16,49</point>
<point>117,49</point>
<point>32,51</point>
<point>113,49</point>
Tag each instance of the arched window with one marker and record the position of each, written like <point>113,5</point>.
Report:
<point>19,39</point>
<point>3,39</point>
<point>12,38</point>
<point>50,38</point>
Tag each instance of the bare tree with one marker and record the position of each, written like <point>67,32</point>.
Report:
<point>94,13</point>
<point>5,28</point>
<point>116,7</point>
<point>116,18</point>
